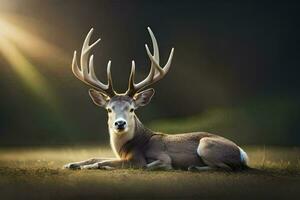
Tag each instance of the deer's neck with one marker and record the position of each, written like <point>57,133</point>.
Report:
<point>133,139</point>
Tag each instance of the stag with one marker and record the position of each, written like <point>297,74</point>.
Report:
<point>133,144</point>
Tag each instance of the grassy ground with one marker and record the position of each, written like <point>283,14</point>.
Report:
<point>267,120</point>
<point>37,174</point>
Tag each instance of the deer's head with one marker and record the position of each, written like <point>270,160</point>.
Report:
<point>120,106</point>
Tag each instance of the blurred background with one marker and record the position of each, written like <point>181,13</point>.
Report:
<point>234,73</point>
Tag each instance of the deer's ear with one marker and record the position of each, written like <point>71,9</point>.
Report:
<point>143,98</point>
<point>99,98</point>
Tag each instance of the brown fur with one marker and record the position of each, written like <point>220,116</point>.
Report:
<point>181,149</point>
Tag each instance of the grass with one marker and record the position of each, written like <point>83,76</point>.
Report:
<point>265,120</point>
<point>37,174</point>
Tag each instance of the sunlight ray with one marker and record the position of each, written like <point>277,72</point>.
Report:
<point>30,43</point>
<point>25,70</point>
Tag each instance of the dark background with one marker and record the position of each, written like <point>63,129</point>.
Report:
<point>235,69</point>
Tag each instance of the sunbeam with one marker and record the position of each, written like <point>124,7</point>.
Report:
<point>29,42</point>
<point>13,39</point>
<point>25,70</point>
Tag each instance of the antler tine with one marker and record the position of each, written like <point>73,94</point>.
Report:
<point>87,73</point>
<point>165,69</point>
<point>155,46</point>
<point>131,77</point>
<point>75,69</point>
<point>156,72</point>
<point>110,89</point>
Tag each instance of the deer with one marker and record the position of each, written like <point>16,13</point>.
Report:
<point>138,147</point>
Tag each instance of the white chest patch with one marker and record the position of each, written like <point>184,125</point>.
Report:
<point>117,140</point>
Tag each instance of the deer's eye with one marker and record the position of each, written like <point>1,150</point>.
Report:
<point>109,110</point>
<point>131,110</point>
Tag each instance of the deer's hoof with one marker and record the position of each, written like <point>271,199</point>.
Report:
<point>72,166</point>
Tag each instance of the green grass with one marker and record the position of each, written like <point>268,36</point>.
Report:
<point>269,120</point>
<point>37,174</point>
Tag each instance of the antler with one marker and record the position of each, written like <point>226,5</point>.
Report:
<point>156,72</point>
<point>87,73</point>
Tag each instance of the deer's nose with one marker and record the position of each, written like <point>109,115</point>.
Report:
<point>120,124</point>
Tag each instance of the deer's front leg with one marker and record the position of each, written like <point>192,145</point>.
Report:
<point>116,164</point>
<point>78,165</point>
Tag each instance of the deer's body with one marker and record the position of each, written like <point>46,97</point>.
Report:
<point>180,151</point>
<point>138,147</point>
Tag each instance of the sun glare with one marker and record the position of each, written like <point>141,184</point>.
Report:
<point>29,42</point>
<point>13,40</point>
